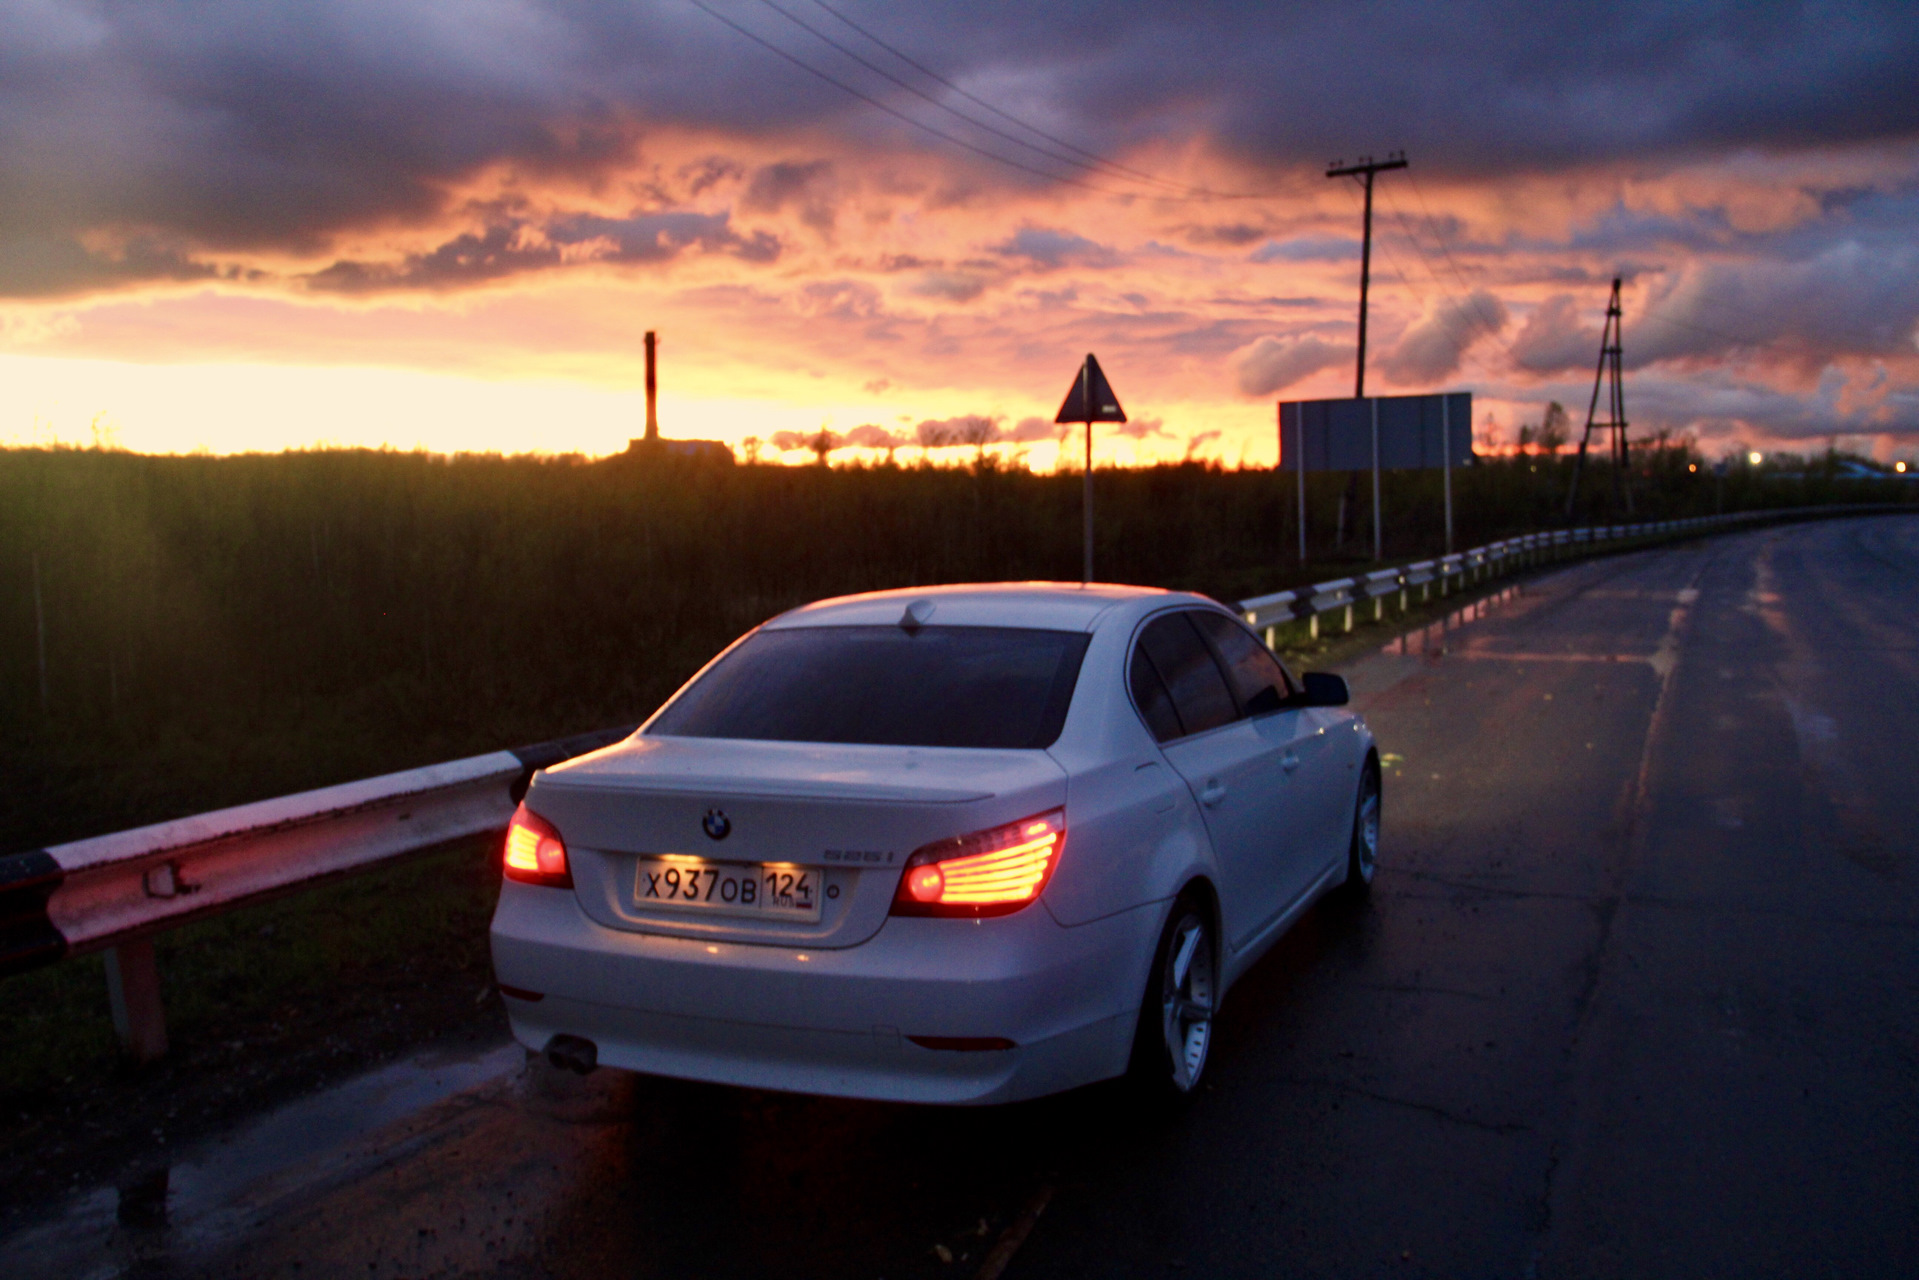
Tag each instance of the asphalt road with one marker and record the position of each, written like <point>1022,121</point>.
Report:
<point>1636,994</point>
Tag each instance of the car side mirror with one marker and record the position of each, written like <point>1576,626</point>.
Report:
<point>1324,689</point>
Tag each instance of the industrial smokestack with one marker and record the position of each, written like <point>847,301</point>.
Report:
<point>652,388</point>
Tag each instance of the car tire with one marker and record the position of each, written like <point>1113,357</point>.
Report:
<point>1362,852</point>
<point>1175,1031</point>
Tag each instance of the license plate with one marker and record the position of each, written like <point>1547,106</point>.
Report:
<point>768,890</point>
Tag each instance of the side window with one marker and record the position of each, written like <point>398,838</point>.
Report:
<point>1257,676</point>
<point>1183,662</point>
<point>1150,696</point>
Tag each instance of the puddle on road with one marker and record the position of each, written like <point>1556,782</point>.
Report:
<point>189,1205</point>
<point>1430,640</point>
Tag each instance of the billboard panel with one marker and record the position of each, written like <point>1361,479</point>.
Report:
<point>1414,432</point>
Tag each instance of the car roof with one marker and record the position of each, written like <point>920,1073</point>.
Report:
<point>1059,606</point>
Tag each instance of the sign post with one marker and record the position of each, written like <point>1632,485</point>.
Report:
<point>1380,433</point>
<point>1090,399</point>
<point>1446,453</point>
<point>1299,472</point>
<point>1378,535</point>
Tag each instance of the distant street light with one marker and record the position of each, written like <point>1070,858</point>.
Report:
<point>1755,458</point>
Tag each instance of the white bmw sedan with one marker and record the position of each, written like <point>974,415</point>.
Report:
<point>951,845</point>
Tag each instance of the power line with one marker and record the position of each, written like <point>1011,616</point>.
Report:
<point>927,71</point>
<point>1432,225</point>
<point>1096,164</point>
<point>1467,304</point>
<point>1727,337</point>
<point>1187,192</point>
<point>1392,261</point>
<point>1469,296</point>
<point>1439,237</point>
<point>884,74</point>
<point>1655,318</point>
<point>897,114</point>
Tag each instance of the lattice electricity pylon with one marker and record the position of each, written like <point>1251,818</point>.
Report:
<point>1608,371</point>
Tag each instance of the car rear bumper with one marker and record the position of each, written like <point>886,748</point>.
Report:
<point>836,1022</point>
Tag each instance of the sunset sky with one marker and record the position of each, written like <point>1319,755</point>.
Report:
<point>255,226</point>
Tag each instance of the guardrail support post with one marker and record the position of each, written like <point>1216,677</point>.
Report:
<point>133,990</point>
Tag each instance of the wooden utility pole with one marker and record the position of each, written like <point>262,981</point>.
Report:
<point>1366,168</point>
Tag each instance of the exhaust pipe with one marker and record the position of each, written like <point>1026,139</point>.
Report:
<point>575,1053</point>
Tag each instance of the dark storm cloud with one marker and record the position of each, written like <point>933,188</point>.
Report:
<point>1721,408</point>
<point>1308,249</point>
<point>1850,298</point>
<point>31,266</point>
<point>221,127</point>
<point>516,247</point>
<point>804,187</point>
<point>949,286</point>
<point>1048,249</point>
<point>1231,234</point>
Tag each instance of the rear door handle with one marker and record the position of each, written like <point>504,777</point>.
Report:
<point>1289,761</point>
<point>1212,793</point>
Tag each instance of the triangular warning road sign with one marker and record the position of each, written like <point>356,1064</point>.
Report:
<point>1090,398</point>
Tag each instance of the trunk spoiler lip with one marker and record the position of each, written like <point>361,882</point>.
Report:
<point>872,774</point>
<point>732,787</point>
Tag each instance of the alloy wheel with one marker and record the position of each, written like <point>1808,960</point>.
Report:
<point>1366,831</point>
<point>1187,998</point>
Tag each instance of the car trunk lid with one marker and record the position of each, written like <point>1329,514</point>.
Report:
<point>848,814</point>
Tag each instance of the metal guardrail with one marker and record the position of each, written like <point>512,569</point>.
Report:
<point>115,891</point>
<point>1305,606</point>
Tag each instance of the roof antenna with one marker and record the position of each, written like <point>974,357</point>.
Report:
<point>916,615</point>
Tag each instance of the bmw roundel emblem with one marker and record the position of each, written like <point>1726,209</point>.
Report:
<point>716,823</point>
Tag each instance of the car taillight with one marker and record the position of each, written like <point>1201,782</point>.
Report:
<point>989,873</point>
<point>535,854</point>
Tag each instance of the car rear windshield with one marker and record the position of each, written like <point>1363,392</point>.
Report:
<point>886,686</point>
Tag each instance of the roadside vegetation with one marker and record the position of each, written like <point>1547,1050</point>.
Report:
<point>183,633</point>
<point>216,630</point>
